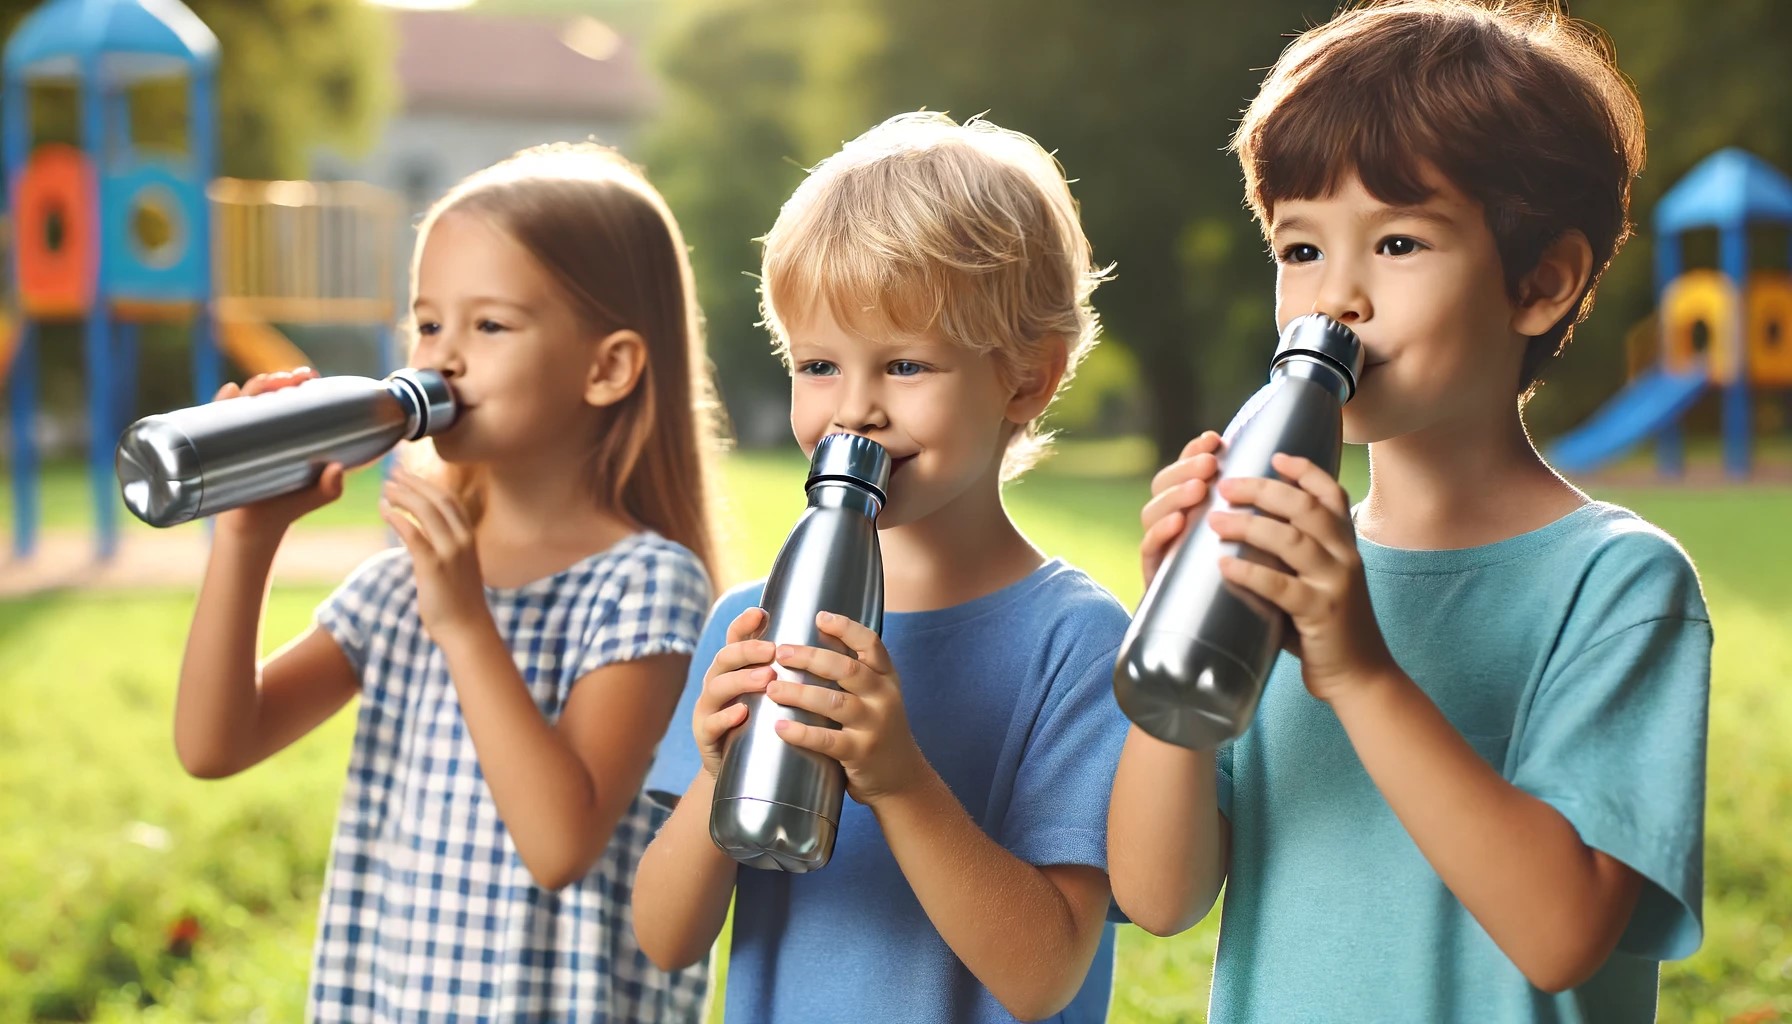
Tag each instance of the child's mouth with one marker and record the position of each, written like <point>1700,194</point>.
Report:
<point>897,464</point>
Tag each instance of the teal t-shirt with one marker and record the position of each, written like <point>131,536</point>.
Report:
<point>1576,659</point>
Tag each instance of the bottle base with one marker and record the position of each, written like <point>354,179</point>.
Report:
<point>771,836</point>
<point>1208,701</point>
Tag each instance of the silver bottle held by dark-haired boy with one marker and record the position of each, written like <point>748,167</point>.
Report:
<point>1192,666</point>
<point>777,806</point>
<point>205,459</point>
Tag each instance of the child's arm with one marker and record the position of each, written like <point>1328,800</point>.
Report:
<point>684,881</point>
<point>1168,843</point>
<point>1555,906</point>
<point>1027,932</point>
<point>559,787</point>
<point>229,712</point>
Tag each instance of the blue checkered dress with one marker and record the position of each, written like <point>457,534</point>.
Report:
<point>429,915</point>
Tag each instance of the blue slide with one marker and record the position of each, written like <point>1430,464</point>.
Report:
<point>1650,402</point>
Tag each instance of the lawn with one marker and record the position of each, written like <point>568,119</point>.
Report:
<point>131,892</point>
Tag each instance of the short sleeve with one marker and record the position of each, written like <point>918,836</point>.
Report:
<point>352,614</point>
<point>1615,741</point>
<point>1222,767</point>
<point>661,594</point>
<point>676,762</point>
<point>1059,810</point>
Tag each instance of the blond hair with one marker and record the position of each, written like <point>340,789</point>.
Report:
<point>923,224</point>
<point>606,239</point>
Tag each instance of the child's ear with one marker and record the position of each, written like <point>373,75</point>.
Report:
<point>1552,290</point>
<point>1035,390</point>
<point>616,364</point>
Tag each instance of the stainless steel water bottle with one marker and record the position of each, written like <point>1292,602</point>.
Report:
<point>202,460</point>
<point>1193,663</point>
<point>777,806</point>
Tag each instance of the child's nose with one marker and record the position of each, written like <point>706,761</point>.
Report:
<point>1343,297</point>
<point>859,411</point>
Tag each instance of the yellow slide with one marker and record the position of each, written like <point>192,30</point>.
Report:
<point>255,346</point>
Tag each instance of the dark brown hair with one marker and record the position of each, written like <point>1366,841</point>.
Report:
<point>1517,105</point>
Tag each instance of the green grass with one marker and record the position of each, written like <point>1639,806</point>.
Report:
<point>105,844</point>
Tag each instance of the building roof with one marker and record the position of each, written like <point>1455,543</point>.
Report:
<point>466,61</point>
<point>1729,190</point>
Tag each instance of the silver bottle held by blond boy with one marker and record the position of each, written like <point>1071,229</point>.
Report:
<point>776,806</point>
<point>202,460</point>
<point>1192,666</point>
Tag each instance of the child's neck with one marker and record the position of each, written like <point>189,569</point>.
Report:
<point>963,551</point>
<point>540,519</point>
<point>1461,485</point>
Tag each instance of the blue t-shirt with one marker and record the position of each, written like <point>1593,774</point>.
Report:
<point>1576,659</point>
<point>1010,697</point>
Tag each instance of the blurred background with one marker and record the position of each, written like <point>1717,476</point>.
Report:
<point>131,892</point>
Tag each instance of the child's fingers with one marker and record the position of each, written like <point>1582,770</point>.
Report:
<point>1278,588</point>
<point>1299,550</point>
<point>859,638</point>
<point>745,624</point>
<point>840,668</point>
<point>1207,441</point>
<point>723,689</point>
<point>408,533</point>
<point>436,528</point>
<point>1200,466</point>
<point>1298,507</point>
<point>1306,474</point>
<point>834,705</point>
<point>713,728</point>
<point>1184,496</point>
<point>834,743</point>
<point>742,654</point>
<point>448,509</point>
<point>1156,544</point>
<point>229,390</point>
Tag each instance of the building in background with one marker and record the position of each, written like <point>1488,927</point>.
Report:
<point>475,87</point>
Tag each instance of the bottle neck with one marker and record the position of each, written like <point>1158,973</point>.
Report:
<point>840,494</point>
<point>1322,372</point>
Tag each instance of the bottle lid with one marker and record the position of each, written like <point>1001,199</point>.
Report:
<point>431,401</point>
<point>1318,335</point>
<point>853,459</point>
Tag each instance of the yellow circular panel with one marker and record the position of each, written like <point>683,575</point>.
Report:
<point>1770,328</point>
<point>1698,323</point>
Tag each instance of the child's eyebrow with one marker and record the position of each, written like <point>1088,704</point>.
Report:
<point>1384,214</point>
<point>478,300</point>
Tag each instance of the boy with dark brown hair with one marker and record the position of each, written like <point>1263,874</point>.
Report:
<point>1475,791</point>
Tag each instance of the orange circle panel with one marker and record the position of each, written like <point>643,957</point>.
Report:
<point>53,207</point>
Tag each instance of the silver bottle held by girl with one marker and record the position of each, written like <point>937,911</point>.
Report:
<point>1192,666</point>
<point>205,459</point>
<point>777,806</point>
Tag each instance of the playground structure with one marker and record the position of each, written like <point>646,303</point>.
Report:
<point>114,235</point>
<point>1728,328</point>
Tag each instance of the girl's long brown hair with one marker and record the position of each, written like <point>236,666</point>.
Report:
<point>608,240</point>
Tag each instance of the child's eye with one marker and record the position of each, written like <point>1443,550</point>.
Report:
<point>1399,245</point>
<point>1300,252</point>
<point>490,327</point>
<point>906,368</point>
<point>428,327</point>
<point>817,368</point>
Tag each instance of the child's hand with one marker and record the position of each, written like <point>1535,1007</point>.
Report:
<point>742,667</point>
<point>434,528</point>
<point>873,741</point>
<point>1175,489</point>
<point>1338,641</point>
<point>270,518</point>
